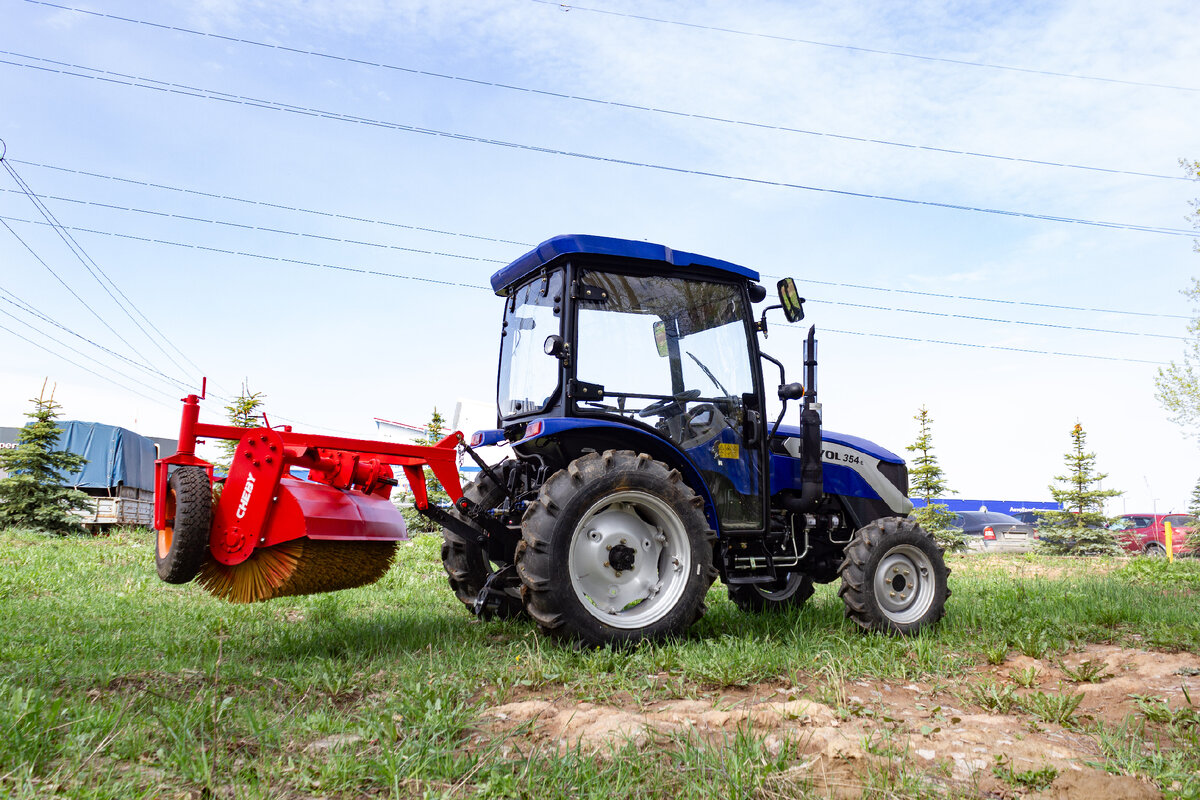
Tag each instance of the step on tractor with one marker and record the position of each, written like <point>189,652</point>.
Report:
<point>644,465</point>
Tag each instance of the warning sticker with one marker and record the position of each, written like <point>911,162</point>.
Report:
<point>728,450</point>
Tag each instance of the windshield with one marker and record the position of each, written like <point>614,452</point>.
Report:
<point>655,339</point>
<point>528,378</point>
<point>675,354</point>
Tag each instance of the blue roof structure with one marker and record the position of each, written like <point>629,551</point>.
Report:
<point>582,244</point>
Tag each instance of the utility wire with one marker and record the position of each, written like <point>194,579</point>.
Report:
<point>873,51</point>
<point>260,256</point>
<point>80,366</point>
<point>277,206</point>
<point>503,261</point>
<point>146,83</point>
<point>989,347</point>
<point>599,101</point>
<point>987,299</point>
<point>60,343</point>
<point>13,300</point>
<point>90,265</point>
<point>189,191</point>
<point>402,276</point>
<point>243,226</point>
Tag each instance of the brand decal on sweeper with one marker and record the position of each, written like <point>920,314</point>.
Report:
<point>631,389</point>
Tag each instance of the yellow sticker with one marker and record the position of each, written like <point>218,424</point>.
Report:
<point>727,450</point>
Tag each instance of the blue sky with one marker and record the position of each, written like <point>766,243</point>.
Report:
<point>232,224</point>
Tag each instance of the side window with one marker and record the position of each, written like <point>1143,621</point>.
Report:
<point>528,377</point>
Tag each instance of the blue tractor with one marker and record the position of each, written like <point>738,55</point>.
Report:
<point>632,393</point>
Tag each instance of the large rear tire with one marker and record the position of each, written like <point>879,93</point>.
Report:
<point>466,562</point>
<point>894,578</point>
<point>181,547</point>
<point>790,591</point>
<point>615,550</point>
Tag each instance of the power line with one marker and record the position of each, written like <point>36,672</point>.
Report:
<point>89,264</point>
<point>81,353</point>
<point>265,204</point>
<point>988,299</point>
<point>243,226</point>
<point>854,48</point>
<point>206,94</point>
<point>260,256</point>
<point>989,347</point>
<point>402,276</point>
<point>13,300</point>
<point>231,198</point>
<point>598,101</point>
<point>503,261</point>
<point>80,366</point>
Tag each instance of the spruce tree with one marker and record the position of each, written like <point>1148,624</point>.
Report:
<point>242,412</point>
<point>33,494</point>
<point>1194,503</point>
<point>1080,527</point>
<point>927,481</point>
<point>415,520</point>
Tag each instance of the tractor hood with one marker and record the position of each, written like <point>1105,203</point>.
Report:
<point>857,442</point>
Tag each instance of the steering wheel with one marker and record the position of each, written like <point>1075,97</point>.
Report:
<point>669,406</point>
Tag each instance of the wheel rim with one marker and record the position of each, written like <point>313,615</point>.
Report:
<point>1156,550</point>
<point>167,535</point>
<point>788,587</point>
<point>904,584</point>
<point>629,559</point>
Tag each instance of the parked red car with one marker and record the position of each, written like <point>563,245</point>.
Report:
<point>1146,533</point>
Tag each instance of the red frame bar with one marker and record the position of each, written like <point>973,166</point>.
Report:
<point>441,458</point>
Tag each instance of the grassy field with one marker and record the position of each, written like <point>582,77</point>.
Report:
<point>113,684</point>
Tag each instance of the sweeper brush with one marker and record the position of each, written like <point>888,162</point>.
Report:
<point>266,531</point>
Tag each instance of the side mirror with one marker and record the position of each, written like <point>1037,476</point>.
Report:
<point>793,303</point>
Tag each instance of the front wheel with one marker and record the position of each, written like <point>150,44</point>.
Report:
<point>616,549</point>
<point>790,591</point>
<point>181,547</point>
<point>894,579</point>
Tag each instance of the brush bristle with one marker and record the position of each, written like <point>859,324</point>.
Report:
<point>301,566</point>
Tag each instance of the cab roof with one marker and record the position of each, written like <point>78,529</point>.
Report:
<point>581,244</point>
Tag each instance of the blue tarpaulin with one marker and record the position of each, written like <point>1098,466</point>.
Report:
<point>116,456</point>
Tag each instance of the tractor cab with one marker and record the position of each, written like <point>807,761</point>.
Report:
<point>605,338</point>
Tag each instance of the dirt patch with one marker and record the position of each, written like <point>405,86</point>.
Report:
<point>943,731</point>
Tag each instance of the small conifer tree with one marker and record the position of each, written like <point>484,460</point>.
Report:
<point>927,481</point>
<point>242,412</point>
<point>1079,527</point>
<point>33,494</point>
<point>1194,503</point>
<point>415,520</point>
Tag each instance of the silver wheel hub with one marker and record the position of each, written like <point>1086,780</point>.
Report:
<point>904,584</point>
<point>629,559</point>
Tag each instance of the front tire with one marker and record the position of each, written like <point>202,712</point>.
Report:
<point>181,547</point>
<point>790,591</point>
<point>894,578</point>
<point>615,550</point>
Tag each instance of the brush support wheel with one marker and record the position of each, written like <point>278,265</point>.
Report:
<point>181,547</point>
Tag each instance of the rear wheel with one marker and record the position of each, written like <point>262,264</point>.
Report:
<point>1156,550</point>
<point>790,591</point>
<point>181,547</point>
<point>894,579</point>
<point>466,562</point>
<point>616,549</point>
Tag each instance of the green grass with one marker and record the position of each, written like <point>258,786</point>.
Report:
<point>115,684</point>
